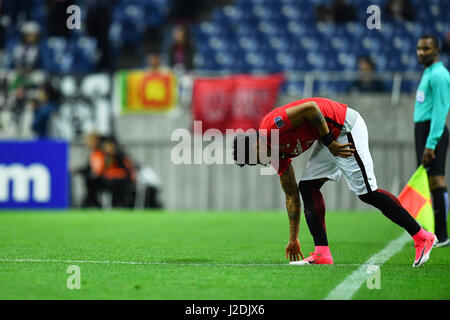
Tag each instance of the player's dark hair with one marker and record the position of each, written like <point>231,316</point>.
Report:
<point>244,143</point>
<point>368,60</point>
<point>433,38</point>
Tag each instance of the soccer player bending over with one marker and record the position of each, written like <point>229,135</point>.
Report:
<point>342,148</point>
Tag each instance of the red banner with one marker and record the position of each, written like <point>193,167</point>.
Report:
<point>235,102</point>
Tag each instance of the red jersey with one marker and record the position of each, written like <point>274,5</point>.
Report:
<point>294,141</point>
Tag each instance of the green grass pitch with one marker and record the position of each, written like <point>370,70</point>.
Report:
<point>201,255</point>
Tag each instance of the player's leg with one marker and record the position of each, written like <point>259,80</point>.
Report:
<point>436,178</point>
<point>391,207</point>
<point>359,173</point>
<point>314,207</point>
<point>320,168</point>
<point>438,190</point>
<point>439,194</point>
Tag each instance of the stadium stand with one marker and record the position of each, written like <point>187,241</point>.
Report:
<point>284,36</point>
<point>249,36</point>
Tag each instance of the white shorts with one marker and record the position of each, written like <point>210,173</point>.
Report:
<point>357,170</point>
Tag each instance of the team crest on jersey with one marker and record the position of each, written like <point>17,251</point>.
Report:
<point>279,122</point>
<point>420,96</point>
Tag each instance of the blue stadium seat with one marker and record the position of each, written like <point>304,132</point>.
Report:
<point>372,44</point>
<point>348,61</point>
<point>294,13</point>
<point>207,62</point>
<point>246,29</point>
<point>220,43</point>
<point>287,61</point>
<point>253,44</point>
<point>225,60</point>
<point>263,12</point>
<point>129,18</point>
<point>85,54</point>
<point>311,43</point>
<point>255,59</point>
<point>215,29</point>
<point>380,61</point>
<point>57,56</point>
<point>342,86</point>
<point>283,35</point>
<point>297,29</point>
<point>226,15</point>
<point>293,88</point>
<point>341,44</point>
<point>302,64</point>
<point>281,43</point>
<point>241,65</point>
<point>332,63</point>
<point>402,44</point>
<point>155,15</point>
<point>394,63</point>
<point>272,28</point>
<point>326,29</point>
<point>323,86</point>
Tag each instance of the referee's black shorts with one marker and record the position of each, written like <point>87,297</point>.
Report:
<point>437,166</point>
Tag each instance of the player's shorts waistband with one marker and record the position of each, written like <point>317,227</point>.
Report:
<point>425,123</point>
<point>350,119</point>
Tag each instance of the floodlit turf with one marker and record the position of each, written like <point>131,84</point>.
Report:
<point>200,255</point>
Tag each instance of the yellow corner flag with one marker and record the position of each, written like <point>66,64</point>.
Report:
<point>415,197</point>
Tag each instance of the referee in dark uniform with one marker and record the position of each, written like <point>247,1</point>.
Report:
<point>431,133</point>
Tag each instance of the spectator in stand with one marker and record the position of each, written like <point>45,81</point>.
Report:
<point>338,11</point>
<point>366,81</point>
<point>44,108</point>
<point>343,11</point>
<point>181,54</point>
<point>446,44</point>
<point>26,55</point>
<point>98,22</point>
<point>118,173</point>
<point>153,63</point>
<point>92,171</point>
<point>401,10</point>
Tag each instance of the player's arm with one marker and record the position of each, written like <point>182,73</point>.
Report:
<point>290,188</point>
<point>310,111</point>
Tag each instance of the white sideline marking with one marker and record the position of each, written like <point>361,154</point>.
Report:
<point>155,263</point>
<point>348,287</point>
<point>139,262</point>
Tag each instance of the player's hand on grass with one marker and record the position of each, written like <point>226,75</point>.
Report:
<point>341,150</point>
<point>293,251</point>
